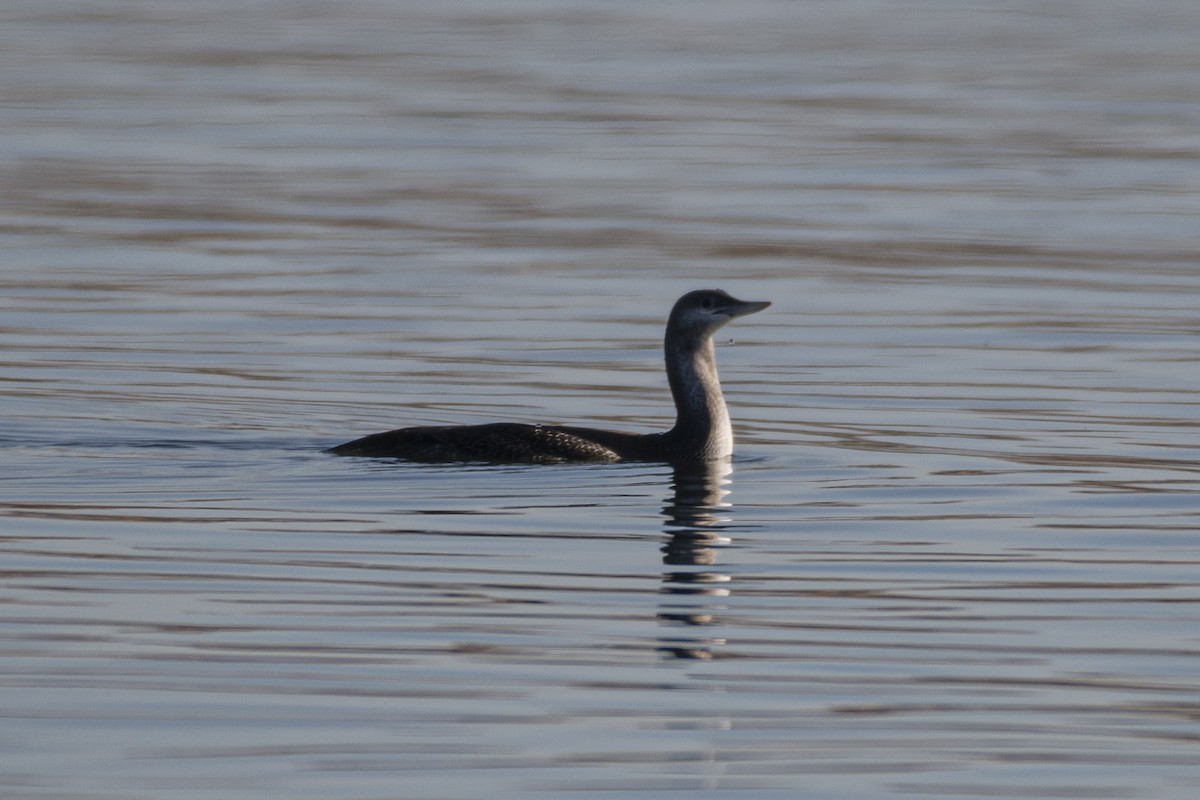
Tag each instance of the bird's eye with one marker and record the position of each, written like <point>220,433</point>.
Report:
<point>707,302</point>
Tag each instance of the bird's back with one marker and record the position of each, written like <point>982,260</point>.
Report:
<point>500,442</point>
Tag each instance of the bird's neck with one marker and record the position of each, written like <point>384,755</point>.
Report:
<point>702,422</point>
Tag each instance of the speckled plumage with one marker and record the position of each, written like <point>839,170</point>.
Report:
<point>507,442</point>
<point>702,431</point>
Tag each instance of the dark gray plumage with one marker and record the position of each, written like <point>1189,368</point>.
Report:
<point>702,430</point>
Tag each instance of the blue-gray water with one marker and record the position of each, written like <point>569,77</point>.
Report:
<point>957,554</point>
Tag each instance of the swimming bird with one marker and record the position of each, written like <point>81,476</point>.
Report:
<point>702,431</point>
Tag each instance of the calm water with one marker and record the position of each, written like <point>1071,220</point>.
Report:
<point>957,555</point>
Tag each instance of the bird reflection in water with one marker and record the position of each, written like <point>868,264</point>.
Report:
<point>691,588</point>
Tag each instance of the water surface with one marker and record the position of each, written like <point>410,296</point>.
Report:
<point>955,556</point>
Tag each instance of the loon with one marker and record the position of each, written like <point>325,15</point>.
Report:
<point>702,431</point>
